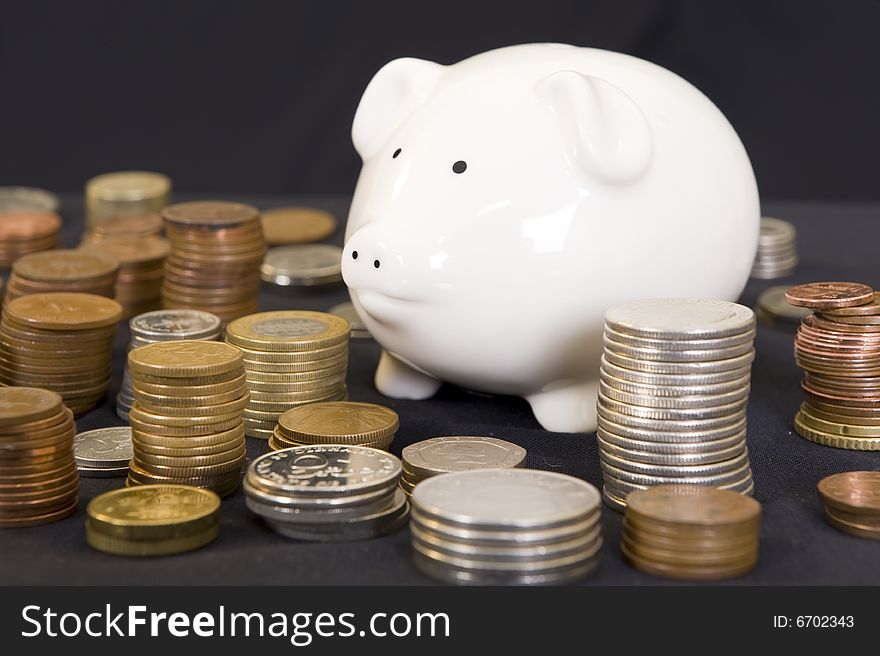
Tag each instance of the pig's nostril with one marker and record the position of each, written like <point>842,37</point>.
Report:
<point>376,263</point>
<point>354,255</point>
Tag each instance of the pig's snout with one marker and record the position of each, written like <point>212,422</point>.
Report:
<point>370,263</point>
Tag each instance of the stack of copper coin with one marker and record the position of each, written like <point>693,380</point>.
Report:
<point>292,358</point>
<point>38,478</point>
<point>63,271</point>
<point>444,455</point>
<point>852,502</point>
<point>186,421</point>
<point>691,532</point>
<point>125,227</point>
<point>338,422</point>
<point>125,193</point>
<point>62,342</point>
<point>216,252</point>
<point>26,231</point>
<point>838,348</point>
<point>142,265</point>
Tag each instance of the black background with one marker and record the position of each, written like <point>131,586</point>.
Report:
<point>258,96</point>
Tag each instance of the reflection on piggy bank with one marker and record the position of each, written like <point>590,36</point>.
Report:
<point>506,201</point>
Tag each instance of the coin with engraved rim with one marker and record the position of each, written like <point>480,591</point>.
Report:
<point>339,419</point>
<point>21,405</point>
<point>440,455</point>
<point>822,295</point>
<point>103,447</point>
<point>185,358</point>
<point>853,492</point>
<point>175,324</point>
<point>64,311</point>
<point>302,265</point>
<point>680,318</point>
<point>288,330</point>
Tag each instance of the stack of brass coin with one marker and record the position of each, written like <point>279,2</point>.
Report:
<point>216,252</point>
<point>291,358</point>
<point>852,502</point>
<point>777,251</point>
<point>302,266</point>
<point>327,493</point>
<point>336,422</point>
<point>63,271</point>
<point>38,481</point>
<point>60,341</point>
<point>347,312</point>
<point>154,520</point>
<point>297,225</point>
<point>773,310</point>
<point>31,199</point>
<point>125,193</point>
<point>444,455</point>
<point>142,266</point>
<point>838,349</point>
<point>125,227</point>
<point>691,532</point>
<point>103,452</point>
<point>506,527</point>
<point>673,390</point>
<point>23,232</point>
<point>164,326</point>
<point>186,423</point>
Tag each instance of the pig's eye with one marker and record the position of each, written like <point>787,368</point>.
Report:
<point>396,153</point>
<point>459,167</point>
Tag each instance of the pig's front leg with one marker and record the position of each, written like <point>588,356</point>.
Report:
<point>567,408</point>
<point>400,381</point>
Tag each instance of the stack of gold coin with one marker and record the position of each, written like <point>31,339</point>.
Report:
<point>776,256</point>
<point>838,348</point>
<point>63,271</point>
<point>297,225</point>
<point>691,532</point>
<point>125,193</point>
<point>292,358</point>
<point>336,422</point>
<point>444,455</point>
<point>60,341</point>
<point>38,478</point>
<point>26,231</point>
<point>852,502</point>
<point>216,252</point>
<point>125,227</point>
<point>142,265</point>
<point>186,422</point>
<point>153,520</point>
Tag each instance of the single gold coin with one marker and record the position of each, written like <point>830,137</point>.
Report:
<point>65,265</point>
<point>837,441</point>
<point>187,390</point>
<point>297,225</point>
<point>162,547</point>
<point>191,460</point>
<point>185,470</point>
<point>184,431</point>
<point>319,357</point>
<point>144,439</point>
<point>22,405</point>
<point>288,330</point>
<point>185,358</point>
<point>127,186</point>
<point>224,410</point>
<point>64,311</point>
<point>182,451</point>
<point>130,251</point>
<point>158,402</point>
<point>182,421</point>
<point>362,422</point>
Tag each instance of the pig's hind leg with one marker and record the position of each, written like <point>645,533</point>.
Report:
<point>398,380</point>
<point>568,407</point>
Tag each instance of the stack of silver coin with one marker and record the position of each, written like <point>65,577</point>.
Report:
<point>506,527</point>
<point>327,493</point>
<point>164,326</point>
<point>777,250</point>
<point>673,390</point>
<point>444,455</point>
<point>103,452</point>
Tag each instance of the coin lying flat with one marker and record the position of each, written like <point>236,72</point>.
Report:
<point>303,265</point>
<point>27,199</point>
<point>295,225</point>
<point>680,318</point>
<point>826,295</point>
<point>773,307</point>
<point>348,312</point>
<point>103,447</point>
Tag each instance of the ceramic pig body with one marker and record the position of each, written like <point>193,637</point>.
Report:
<point>506,201</point>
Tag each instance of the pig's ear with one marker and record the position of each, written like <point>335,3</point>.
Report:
<point>394,92</point>
<point>601,127</point>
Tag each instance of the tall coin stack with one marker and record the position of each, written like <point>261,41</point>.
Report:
<point>777,250</point>
<point>125,227</point>
<point>23,232</point>
<point>329,492</point>
<point>838,348</point>
<point>674,385</point>
<point>122,193</point>
<point>63,271</point>
<point>62,342</point>
<point>337,422</point>
<point>164,326</point>
<point>691,532</point>
<point>505,527</point>
<point>186,423</point>
<point>38,479</point>
<point>444,455</point>
<point>216,252</point>
<point>291,358</point>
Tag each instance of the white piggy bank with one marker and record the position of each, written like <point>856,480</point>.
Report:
<point>506,201</point>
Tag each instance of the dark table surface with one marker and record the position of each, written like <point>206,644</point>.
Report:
<point>836,241</point>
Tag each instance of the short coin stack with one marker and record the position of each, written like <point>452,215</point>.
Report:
<point>23,232</point>
<point>777,251</point>
<point>122,193</point>
<point>852,502</point>
<point>164,326</point>
<point>506,526</point>
<point>38,481</point>
<point>329,492</point>
<point>443,455</point>
<point>302,266</point>
<point>291,358</point>
<point>63,271</point>
<point>142,265</point>
<point>691,532</point>
<point>297,225</point>
<point>216,252</point>
<point>674,385</point>
<point>103,452</point>
<point>347,312</point>
<point>156,520</point>
<point>336,422</point>
<point>838,349</point>
<point>125,227</point>
<point>60,341</point>
<point>186,423</point>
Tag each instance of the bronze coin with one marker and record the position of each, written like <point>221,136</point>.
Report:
<point>45,518</point>
<point>692,505</point>
<point>866,320</point>
<point>829,295</point>
<point>855,492</point>
<point>868,309</point>
<point>835,326</point>
<point>710,573</point>
<point>858,529</point>
<point>26,225</point>
<point>210,213</point>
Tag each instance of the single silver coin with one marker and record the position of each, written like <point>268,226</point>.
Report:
<point>315,504</point>
<point>162,325</point>
<point>715,343</point>
<point>677,355</point>
<point>667,431</point>
<point>687,367</point>
<point>716,480</point>
<point>674,414</point>
<point>772,301</point>
<point>103,447</point>
<point>673,402</point>
<point>674,458</point>
<point>27,199</point>
<point>672,425</point>
<point>687,379</point>
<point>302,265</point>
<point>460,576</point>
<point>673,391</point>
<point>440,455</point>
<point>675,469</point>
<point>102,472</point>
<point>680,318</point>
<point>348,312</point>
<point>650,446</point>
